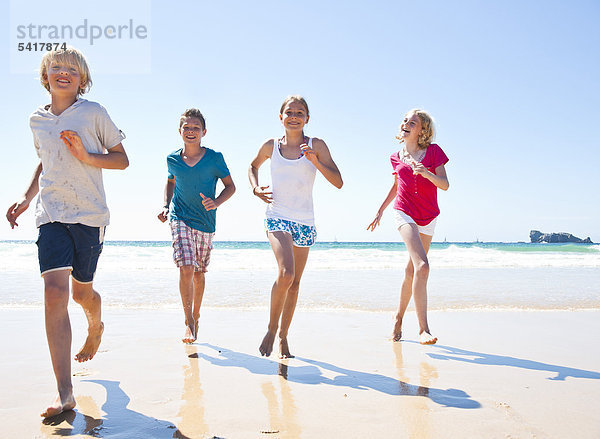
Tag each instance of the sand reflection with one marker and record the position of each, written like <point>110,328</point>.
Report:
<point>283,413</point>
<point>192,423</point>
<point>418,423</point>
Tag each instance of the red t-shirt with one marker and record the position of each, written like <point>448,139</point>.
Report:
<point>416,196</point>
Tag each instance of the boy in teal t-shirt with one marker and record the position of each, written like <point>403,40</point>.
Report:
<point>190,197</point>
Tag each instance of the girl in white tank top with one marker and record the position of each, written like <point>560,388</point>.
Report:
<point>292,181</point>
<point>295,160</point>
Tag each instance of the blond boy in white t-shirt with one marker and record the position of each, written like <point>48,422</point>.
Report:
<point>74,139</point>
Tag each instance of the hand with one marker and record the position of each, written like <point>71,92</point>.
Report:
<point>74,144</point>
<point>15,210</point>
<point>418,168</point>
<point>375,222</point>
<point>262,193</point>
<point>208,203</point>
<point>163,215</point>
<point>309,153</point>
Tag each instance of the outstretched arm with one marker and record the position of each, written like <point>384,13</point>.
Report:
<point>226,193</point>
<point>169,189</point>
<point>264,153</point>
<point>115,159</point>
<point>390,197</point>
<point>320,156</point>
<point>21,206</point>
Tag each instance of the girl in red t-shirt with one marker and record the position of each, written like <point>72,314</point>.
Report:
<point>418,172</point>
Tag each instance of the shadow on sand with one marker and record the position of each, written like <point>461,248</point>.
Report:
<point>119,421</point>
<point>312,374</point>
<point>463,355</point>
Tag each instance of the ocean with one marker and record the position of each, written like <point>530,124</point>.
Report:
<point>362,276</point>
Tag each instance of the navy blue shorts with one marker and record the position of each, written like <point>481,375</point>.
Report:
<point>75,247</point>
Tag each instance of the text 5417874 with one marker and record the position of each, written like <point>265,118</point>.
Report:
<point>40,47</point>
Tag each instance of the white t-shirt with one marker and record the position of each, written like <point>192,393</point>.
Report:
<point>292,182</point>
<point>72,191</point>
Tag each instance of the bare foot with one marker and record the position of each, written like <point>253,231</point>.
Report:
<point>284,350</point>
<point>266,347</point>
<point>92,343</point>
<point>427,338</point>
<point>60,405</point>
<point>196,324</point>
<point>397,334</point>
<point>189,335</point>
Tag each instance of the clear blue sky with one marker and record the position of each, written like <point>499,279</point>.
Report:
<point>513,86</point>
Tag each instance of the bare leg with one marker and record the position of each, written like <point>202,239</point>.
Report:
<point>91,303</point>
<point>282,246</point>
<point>58,332</point>
<point>198,295</point>
<point>405,295</point>
<point>418,246</point>
<point>289,306</point>
<point>186,289</point>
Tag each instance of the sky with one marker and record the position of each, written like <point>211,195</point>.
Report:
<point>513,87</point>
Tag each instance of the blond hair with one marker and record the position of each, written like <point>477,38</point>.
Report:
<point>427,127</point>
<point>71,57</point>
<point>294,98</point>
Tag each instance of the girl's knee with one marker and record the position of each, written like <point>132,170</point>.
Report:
<point>422,268</point>
<point>286,276</point>
<point>295,287</point>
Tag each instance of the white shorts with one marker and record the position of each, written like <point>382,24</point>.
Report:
<point>402,218</point>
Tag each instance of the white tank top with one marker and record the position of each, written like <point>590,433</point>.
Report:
<point>292,184</point>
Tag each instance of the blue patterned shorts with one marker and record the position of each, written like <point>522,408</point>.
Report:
<point>302,235</point>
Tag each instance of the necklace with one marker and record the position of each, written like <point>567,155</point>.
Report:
<point>304,140</point>
<point>407,158</point>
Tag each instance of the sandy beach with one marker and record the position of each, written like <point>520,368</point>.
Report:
<point>493,374</point>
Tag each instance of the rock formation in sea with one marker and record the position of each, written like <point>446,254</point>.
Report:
<point>537,236</point>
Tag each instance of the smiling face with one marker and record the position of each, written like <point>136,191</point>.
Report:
<point>410,128</point>
<point>63,79</point>
<point>191,130</point>
<point>294,116</point>
<point>65,71</point>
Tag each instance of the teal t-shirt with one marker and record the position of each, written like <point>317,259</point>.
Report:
<point>186,204</point>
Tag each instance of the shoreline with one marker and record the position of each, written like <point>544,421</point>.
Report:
<point>322,310</point>
<point>318,243</point>
<point>493,374</point>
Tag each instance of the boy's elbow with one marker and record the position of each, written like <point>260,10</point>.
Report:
<point>124,162</point>
<point>340,184</point>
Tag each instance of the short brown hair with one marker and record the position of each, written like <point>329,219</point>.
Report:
<point>192,112</point>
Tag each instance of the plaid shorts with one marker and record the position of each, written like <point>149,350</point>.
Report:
<point>190,246</point>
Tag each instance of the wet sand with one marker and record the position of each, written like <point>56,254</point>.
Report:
<point>493,374</point>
